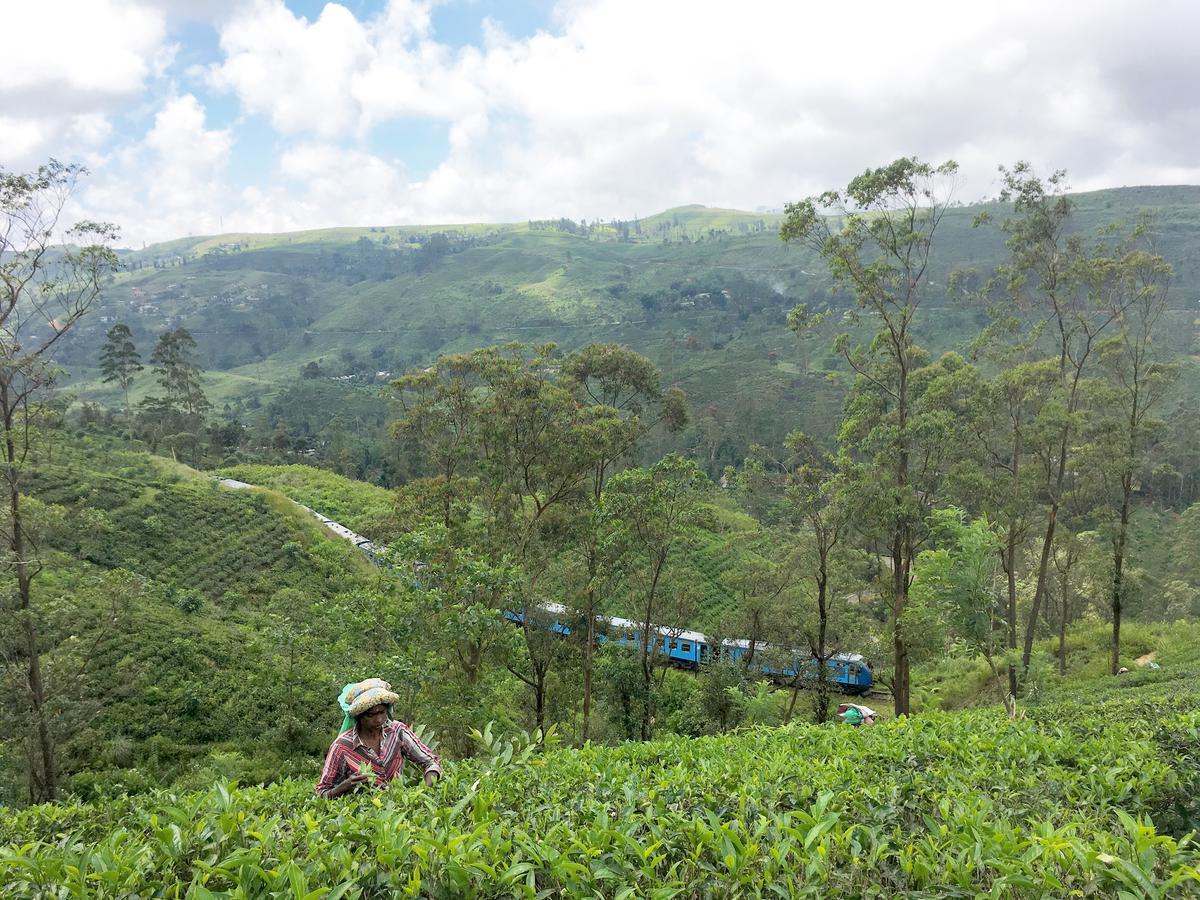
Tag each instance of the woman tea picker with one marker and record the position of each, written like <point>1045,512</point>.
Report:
<point>372,746</point>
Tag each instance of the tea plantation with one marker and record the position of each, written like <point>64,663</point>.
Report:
<point>1093,800</point>
<point>362,507</point>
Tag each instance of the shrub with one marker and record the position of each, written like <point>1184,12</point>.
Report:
<point>947,805</point>
<point>190,601</point>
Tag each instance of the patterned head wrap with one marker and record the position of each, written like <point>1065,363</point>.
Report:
<point>855,714</point>
<point>359,696</point>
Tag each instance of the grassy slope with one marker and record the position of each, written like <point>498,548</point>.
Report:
<point>957,683</point>
<point>174,525</point>
<point>355,504</point>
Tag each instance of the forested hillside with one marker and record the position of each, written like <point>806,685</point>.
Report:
<point>299,331</point>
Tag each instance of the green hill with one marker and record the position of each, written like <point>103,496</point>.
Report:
<point>361,507</point>
<point>167,604</point>
<point>702,292</point>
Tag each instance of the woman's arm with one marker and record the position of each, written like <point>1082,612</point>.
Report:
<point>338,777</point>
<point>413,749</point>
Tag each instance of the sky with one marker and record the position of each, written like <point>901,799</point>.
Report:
<point>274,115</point>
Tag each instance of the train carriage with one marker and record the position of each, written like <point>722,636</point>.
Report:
<point>686,649</point>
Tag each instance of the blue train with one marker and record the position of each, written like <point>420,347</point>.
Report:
<point>690,649</point>
<point>685,649</point>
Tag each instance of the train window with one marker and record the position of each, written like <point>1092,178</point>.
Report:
<point>685,646</point>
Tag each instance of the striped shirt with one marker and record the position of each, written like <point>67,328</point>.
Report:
<point>347,754</point>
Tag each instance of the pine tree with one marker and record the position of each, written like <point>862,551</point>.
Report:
<point>178,373</point>
<point>181,410</point>
<point>120,362</point>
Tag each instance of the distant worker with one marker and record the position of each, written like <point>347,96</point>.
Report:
<point>372,746</point>
<point>854,714</point>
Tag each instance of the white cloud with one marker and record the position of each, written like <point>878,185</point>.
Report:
<point>96,49</point>
<point>67,66</point>
<point>627,107</point>
<point>323,184</point>
<point>631,106</point>
<point>197,10</point>
<point>172,182</point>
<point>299,74</point>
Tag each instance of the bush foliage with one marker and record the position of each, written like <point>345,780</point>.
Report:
<point>1060,804</point>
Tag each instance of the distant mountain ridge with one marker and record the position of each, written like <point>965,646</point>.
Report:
<point>694,213</point>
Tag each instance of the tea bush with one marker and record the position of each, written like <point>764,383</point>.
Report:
<point>1065,803</point>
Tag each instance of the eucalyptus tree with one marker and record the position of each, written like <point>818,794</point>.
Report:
<point>763,576</point>
<point>878,237</point>
<point>178,413</point>
<point>1140,380</point>
<point>647,515</point>
<point>611,377</point>
<point>1081,573</point>
<point>538,449</point>
<point>440,414</point>
<point>1070,294</point>
<point>50,276</point>
<point>955,592</point>
<point>178,373</point>
<point>1013,426</point>
<point>816,489</point>
<point>803,493</point>
<point>506,424</point>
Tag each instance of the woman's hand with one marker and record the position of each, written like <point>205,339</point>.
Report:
<point>430,778</point>
<point>352,783</point>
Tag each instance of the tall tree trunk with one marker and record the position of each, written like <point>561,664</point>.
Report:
<point>821,700</point>
<point>539,675</point>
<point>791,707</point>
<point>900,683</point>
<point>21,564</point>
<point>1119,567</point>
<point>1064,600</point>
<point>129,416</point>
<point>900,542</point>
<point>754,632</point>
<point>587,677</point>
<point>590,639</point>
<point>1009,558</point>
<point>1039,592</point>
<point>1010,565</point>
<point>647,662</point>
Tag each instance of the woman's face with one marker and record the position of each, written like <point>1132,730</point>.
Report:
<point>374,717</point>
